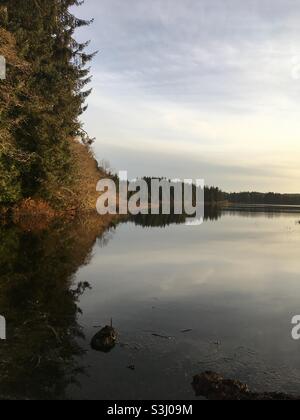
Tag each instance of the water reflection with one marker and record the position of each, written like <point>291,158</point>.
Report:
<point>146,221</point>
<point>184,300</point>
<point>42,355</point>
<point>214,213</point>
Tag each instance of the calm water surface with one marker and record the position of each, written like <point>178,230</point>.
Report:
<point>184,300</point>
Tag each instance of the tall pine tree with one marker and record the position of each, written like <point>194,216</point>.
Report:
<point>12,159</point>
<point>53,96</point>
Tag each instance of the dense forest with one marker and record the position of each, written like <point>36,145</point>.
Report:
<point>42,97</point>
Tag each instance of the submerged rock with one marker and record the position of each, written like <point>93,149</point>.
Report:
<point>213,386</point>
<point>104,340</point>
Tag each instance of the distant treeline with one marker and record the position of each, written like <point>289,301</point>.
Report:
<point>215,195</point>
<point>263,198</point>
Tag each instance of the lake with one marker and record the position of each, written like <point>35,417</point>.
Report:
<point>184,299</point>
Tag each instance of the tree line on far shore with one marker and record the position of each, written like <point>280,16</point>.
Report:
<point>215,195</point>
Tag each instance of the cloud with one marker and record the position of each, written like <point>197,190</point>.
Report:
<point>215,81</point>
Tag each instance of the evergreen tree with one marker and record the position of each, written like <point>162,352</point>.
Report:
<point>11,157</point>
<point>49,115</point>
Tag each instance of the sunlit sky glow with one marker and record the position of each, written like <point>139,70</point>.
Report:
<point>198,89</point>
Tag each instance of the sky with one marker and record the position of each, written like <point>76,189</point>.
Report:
<point>197,89</point>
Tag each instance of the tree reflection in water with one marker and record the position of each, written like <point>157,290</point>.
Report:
<point>39,298</point>
<point>164,220</point>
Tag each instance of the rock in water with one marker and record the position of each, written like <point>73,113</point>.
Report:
<point>104,340</point>
<point>213,386</point>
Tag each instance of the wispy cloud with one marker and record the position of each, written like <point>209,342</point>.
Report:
<point>215,81</point>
